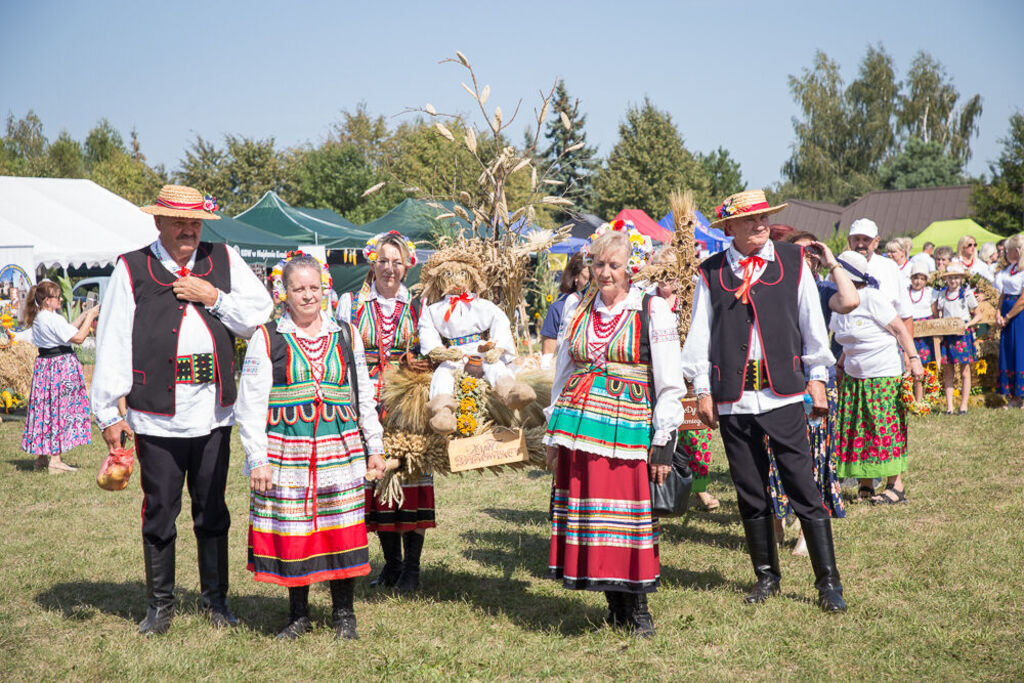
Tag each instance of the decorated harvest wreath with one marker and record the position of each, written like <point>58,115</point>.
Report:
<point>370,250</point>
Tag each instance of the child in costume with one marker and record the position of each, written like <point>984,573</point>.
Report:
<point>957,300</point>
<point>462,328</point>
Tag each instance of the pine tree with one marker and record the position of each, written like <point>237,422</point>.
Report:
<point>573,162</point>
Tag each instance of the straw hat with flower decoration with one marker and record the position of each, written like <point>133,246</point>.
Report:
<point>743,204</point>
<point>179,201</point>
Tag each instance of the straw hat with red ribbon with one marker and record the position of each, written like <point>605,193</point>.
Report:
<point>180,201</point>
<point>743,204</point>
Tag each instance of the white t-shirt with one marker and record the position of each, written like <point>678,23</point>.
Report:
<point>925,259</point>
<point>921,301</point>
<point>871,351</point>
<point>890,284</point>
<point>953,305</point>
<point>977,266</point>
<point>50,330</point>
<point>1010,280</point>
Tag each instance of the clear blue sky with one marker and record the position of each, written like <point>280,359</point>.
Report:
<point>287,69</point>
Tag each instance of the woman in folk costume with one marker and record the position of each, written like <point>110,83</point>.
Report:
<point>305,407</point>
<point>1010,285</point>
<point>617,401</point>
<point>695,444</point>
<point>386,317</point>
<point>458,328</point>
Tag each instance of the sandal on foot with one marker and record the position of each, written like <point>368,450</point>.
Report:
<point>708,502</point>
<point>882,499</point>
<point>865,493</point>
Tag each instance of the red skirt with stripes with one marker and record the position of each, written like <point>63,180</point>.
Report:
<point>603,535</point>
<point>416,511</point>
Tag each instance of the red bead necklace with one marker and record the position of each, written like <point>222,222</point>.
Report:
<point>315,351</point>
<point>387,326</point>
<point>603,330</point>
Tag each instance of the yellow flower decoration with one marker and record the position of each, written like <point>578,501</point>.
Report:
<point>468,384</point>
<point>932,367</point>
<point>549,298</point>
<point>467,405</point>
<point>981,366</point>
<point>466,424</point>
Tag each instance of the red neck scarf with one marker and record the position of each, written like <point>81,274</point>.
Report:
<point>750,264</point>
<point>465,297</point>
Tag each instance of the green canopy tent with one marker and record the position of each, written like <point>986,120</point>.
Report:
<point>253,244</point>
<point>302,226</point>
<point>946,233</point>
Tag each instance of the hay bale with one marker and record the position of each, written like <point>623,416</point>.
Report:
<point>16,362</point>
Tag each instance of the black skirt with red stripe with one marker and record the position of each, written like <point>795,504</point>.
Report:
<point>416,511</point>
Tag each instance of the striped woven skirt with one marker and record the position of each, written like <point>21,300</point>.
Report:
<point>603,535</point>
<point>309,527</point>
<point>416,511</point>
<point>607,413</point>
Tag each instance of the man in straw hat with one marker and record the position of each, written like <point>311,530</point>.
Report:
<point>757,343</point>
<point>166,341</point>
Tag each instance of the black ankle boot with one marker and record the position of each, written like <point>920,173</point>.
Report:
<point>409,580</point>
<point>764,554</point>
<point>159,588</point>
<point>821,550</point>
<point>342,613</point>
<point>391,545</point>
<point>213,579</point>
<point>298,614</point>
<point>639,616</point>
<point>617,613</point>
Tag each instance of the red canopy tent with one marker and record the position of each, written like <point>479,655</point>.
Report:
<point>645,225</point>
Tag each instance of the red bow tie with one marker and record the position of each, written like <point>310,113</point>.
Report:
<point>750,264</point>
<point>465,297</point>
<point>184,272</point>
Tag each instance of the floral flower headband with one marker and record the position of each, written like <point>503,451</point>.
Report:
<point>277,277</point>
<point>640,245</point>
<point>370,250</point>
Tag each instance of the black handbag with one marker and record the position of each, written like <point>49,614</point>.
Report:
<point>671,498</point>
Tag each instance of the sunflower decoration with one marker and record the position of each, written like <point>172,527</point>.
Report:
<point>471,398</point>
<point>981,367</point>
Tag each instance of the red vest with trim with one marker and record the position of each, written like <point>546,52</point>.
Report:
<point>773,309</point>
<point>157,324</point>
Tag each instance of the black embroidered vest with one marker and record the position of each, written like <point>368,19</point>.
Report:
<point>773,310</point>
<point>155,329</point>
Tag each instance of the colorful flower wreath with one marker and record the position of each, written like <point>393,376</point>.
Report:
<point>370,250</point>
<point>277,278</point>
<point>640,245</point>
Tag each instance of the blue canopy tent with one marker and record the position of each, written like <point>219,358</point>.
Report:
<point>714,238</point>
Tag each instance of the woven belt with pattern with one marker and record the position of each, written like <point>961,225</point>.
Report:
<point>194,369</point>
<point>755,376</point>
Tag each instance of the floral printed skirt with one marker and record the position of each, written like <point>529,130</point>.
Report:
<point>1011,353</point>
<point>958,348</point>
<point>872,428</point>
<point>924,346</point>
<point>58,407</point>
<point>695,445</point>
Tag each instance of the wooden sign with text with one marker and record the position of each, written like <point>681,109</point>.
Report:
<point>691,421</point>
<point>938,327</point>
<point>501,446</point>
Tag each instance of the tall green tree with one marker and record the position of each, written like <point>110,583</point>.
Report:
<point>130,178</point>
<point>23,148</point>
<point>929,109</point>
<point>334,176</point>
<point>921,164</point>
<point>649,160</point>
<point>999,205</point>
<point>573,162</point>
<point>65,157</point>
<point>871,101</point>
<point>102,143</point>
<point>237,174</point>
<point>723,173</point>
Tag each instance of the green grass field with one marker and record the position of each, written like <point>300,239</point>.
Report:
<point>934,587</point>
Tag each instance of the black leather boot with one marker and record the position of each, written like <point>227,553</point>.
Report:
<point>391,545</point>
<point>159,588</point>
<point>342,612</point>
<point>821,550</point>
<point>616,612</point>
<point>639,616</point>
<point>764,554</point>
<point>298,614</point>
<point>213,579</point>
<point>409,580</point>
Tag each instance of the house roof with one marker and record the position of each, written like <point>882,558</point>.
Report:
<point>818,218</point>
<point>908,212</point>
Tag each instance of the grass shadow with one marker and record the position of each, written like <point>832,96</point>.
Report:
<point>508,551</point>
<point>524,517</point>
<point>23,464</point>
<point>566,614</point>
<point>81,600</point>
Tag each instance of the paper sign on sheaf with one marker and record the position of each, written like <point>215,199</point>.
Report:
<point>501,446</point>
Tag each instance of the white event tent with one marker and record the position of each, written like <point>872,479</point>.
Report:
<point>69,222</point>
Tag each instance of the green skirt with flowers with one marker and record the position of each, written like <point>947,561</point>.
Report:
<point>871,428</point>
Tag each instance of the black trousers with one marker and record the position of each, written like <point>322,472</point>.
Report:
<point>786,429</point>
<point>167,463</point>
